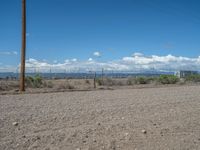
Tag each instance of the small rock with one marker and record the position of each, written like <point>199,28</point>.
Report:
<point>122,118</point>
<point>126,134</point>
<point>98,123</point>
<point>144,131</point>
<point>78,149</point>
<point>38,138</point>
<point>84,141</point>
<point>15,123</point>
<point>16,90</point>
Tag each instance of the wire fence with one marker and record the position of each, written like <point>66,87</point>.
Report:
<point>50,73</point>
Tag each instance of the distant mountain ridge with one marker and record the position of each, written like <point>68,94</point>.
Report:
<point>83,75</point>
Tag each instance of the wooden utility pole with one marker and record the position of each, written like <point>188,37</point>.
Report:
<point>23,49</point>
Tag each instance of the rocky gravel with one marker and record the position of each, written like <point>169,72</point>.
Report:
<point>130,119</point>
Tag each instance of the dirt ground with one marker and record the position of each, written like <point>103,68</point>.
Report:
<point>129,119</point>
<point>63,85</point>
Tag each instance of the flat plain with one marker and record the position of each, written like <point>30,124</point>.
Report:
<point>122,119</point>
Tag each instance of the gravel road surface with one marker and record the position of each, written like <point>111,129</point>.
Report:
<point>123,119</point>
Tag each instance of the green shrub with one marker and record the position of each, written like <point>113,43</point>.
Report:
<point>34,82</point>
<point>193,78</point>
<point>29,81</point>
<point>37,81</point>
<point>168,79</point>
<point>142,80</point>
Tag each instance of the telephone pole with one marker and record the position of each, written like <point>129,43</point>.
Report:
<point>23,48</point>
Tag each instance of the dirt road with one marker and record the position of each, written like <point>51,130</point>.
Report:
<point>142,119</point>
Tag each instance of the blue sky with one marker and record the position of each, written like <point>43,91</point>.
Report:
<point>61,30</point>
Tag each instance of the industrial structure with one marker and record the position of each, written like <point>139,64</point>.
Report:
<point>185,73</point>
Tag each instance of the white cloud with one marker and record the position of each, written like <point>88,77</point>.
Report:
<point>137,54</point>
<point>97,54</point>
<point>67,61</point>
<point>8,53</point>
<point>168,62</point>
<point>74,60</point>
<point>137,63</point>
<point>90,59</point>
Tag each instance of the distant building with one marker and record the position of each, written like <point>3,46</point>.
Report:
<point>184,73</point>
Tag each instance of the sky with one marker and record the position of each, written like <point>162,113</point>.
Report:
<point>82,35</point>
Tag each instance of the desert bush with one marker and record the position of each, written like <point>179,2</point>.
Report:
<point>141,80</point>
<point>168,79</point>
<point>48,84</point>
<point>3,86</point>
<point>131,81</point>
<point>104,81</point>
<point>182,81</point>
<point>87,81</point>
<point>193,78</point>
<point>29,81</point>
<point>37,81</point>
<point>34,82</point>
<point>99,81</point>
<point>119,83</point>
<point>66,85</point>
<point>109,81</point>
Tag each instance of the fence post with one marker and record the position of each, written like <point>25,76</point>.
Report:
<point>95,80</point>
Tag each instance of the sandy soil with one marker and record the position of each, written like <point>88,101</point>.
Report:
<point>142,119</point>
<point>63,85</point>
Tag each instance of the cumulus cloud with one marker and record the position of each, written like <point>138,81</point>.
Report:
<point>168,62</point>
<point>8,53</point>
<point>71,65</point>
<point>97,54</point>
<point>136,63</point>
<point>90,59</point>
<point>137,54</point>
<point>74,60</point>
